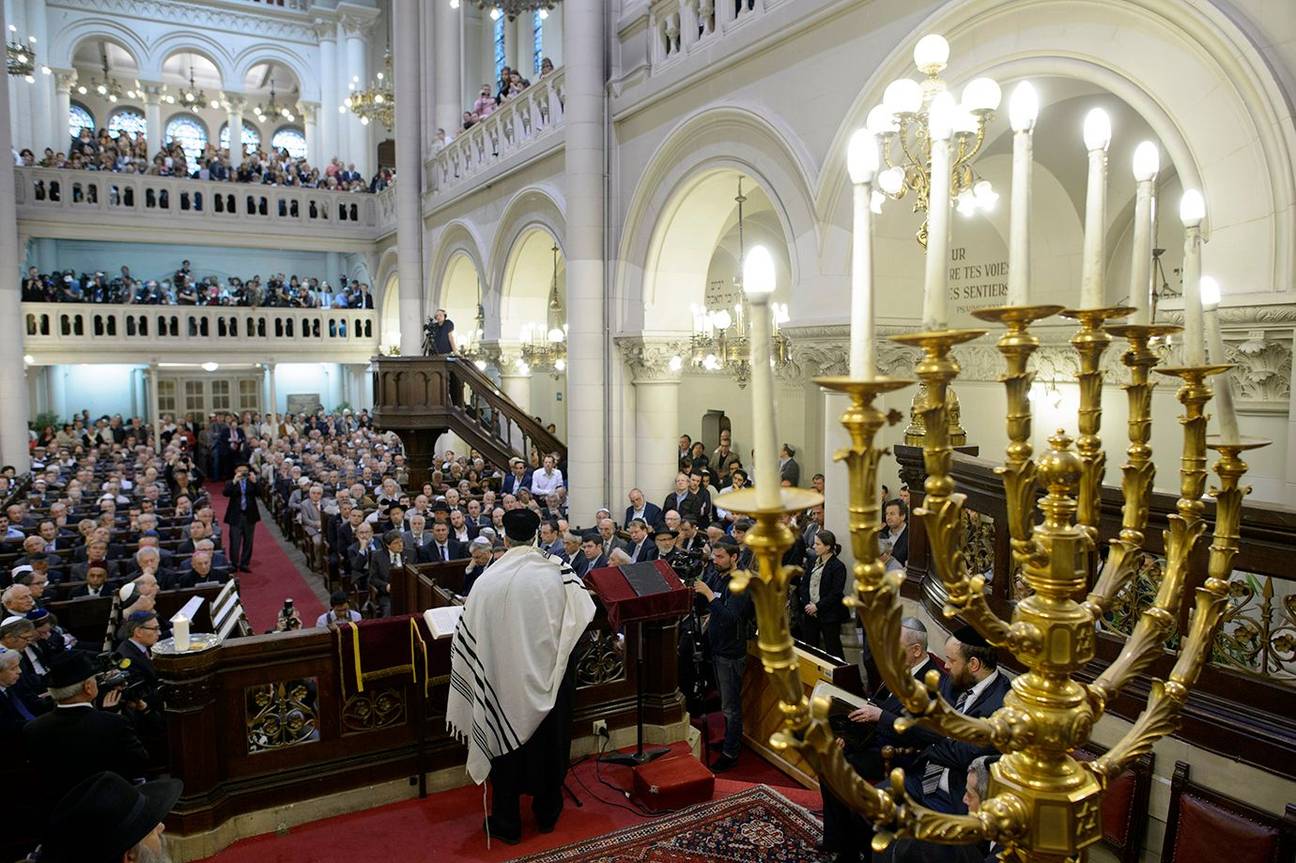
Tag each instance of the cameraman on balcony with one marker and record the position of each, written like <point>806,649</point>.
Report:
<point>439,340</point>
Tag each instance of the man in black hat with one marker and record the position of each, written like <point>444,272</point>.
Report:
<point>976,687</point>
<point>76,739</point>
<point>105,819</point>
<point>382,563</point>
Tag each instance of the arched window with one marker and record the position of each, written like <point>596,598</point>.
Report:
<point>190,132</point>
<point>292,139</point>
<point>537,39</point>
<point>501,46</point>
<point>128,120</point>
<point>79,117</point>
<point>251,137</point>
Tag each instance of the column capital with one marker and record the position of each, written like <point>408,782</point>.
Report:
<point>65,80</point>
<point>152,92</point>
<point>654,359</point>
<point>354,26</point>
<point>325,29</point>
<point>234,103</point>
<point>309,111</point>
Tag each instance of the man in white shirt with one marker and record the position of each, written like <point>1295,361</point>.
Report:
<point>547,479</point>
<point>340,611</point>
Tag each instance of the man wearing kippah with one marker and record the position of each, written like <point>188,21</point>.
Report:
<point>511,697</point>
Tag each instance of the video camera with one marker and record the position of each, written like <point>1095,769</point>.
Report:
<point>116,673</point>
<point>688,565</point>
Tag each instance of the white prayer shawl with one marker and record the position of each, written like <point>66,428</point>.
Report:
<point>510,650</point>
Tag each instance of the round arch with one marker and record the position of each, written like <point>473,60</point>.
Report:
<point>389,326</point>
<point>193,42</point>
<point>1234,142</point>
<point>64,44</point>
<point>530,209</point>
<point>697,163</point>
<point>282,55</point>
<point>527,283</point>
<point>458,238</point>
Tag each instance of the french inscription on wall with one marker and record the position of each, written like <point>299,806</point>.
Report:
<point>976,281</point>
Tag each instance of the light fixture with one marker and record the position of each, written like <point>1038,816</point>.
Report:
<point>1210,293</point>
<point>1023,107</point>
<point>377,102</point>
<point>511,8</point>
<point>193,97</point>
<point>1147,161</point>
<point>1192,208</point>
<point>545,345</point>
<point>1097,130</point>
<point>20,55</point>
<point>210,366</point>
<point>29,359</point>
<point>720,333</point>
<point>265,110</point>
<point>913,114</point>
<point>109,87</point>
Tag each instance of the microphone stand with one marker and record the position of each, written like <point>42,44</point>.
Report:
<point>639,756</point>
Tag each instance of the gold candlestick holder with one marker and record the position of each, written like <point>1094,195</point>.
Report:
<point>1091,342</point>
<point>1126,551</point>
<point>1018,470</point>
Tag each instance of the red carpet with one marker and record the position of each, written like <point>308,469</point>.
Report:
<point>447,827</point>
<point>273,578</point>
<point>751,768</point>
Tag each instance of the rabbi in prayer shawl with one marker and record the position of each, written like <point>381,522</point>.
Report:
<point>511,683</point>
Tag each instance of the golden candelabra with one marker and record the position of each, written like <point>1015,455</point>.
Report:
<point>1042,803</point>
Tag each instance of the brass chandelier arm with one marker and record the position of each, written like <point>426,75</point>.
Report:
<point>1167,698</point>
<point>1157,622</point>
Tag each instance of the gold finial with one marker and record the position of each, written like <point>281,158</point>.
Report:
<point>1060,467</point>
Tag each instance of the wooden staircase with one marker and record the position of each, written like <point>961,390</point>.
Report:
<point>422,398</point>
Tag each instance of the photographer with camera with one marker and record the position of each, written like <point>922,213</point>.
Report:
<point>288,618</point>
<point>727,630</point>
<point>77,739</point>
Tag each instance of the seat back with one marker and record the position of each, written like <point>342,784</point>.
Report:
<point>1124,805</point>
<point>1203,826</point>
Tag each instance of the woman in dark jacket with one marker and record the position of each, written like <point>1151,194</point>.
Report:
<point>821,591</point>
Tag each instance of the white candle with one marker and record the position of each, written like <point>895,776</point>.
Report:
<point>1097,135</point>
<point>940,119</point>
<point>1146,164</point>
<point>1023,109</point>
<point>1192,209</point>
<point>1227,414</point>
<point>758,282</point>
<point>180,632</point>
<point>862,163</point>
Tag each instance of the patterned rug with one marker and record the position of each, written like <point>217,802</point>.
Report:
<point>758,825</point>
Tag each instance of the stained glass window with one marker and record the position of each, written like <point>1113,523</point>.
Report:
<point>537,41</point>
<point>79,117</point>
<point>251,137</point>
<point>292,139</point>
<point>501,49</point>
<point>127,120</point>
<point>190,132</point>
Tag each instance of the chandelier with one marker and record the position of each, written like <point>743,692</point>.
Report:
<point>905,121</point>
<point>720,340</point>
<point>109,88</point>
<point>473,350</point>
<point>265,110</point>
<point>375,102</point>
<point>511,8</point>
<point>544,347</point>
<point>21,56</point>
<point>193,97</point>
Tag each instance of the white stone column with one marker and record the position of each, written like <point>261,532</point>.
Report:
<point>516,385</point>
<point>13,377</point>
<point>310,124</point>
<point>449,68</point>
<point>357,73</point>
<point>152,117</point>
<point>46,133</point>
<point>58,391</point>
<point>409,173</point>
<point>586,343</point>
<point>274,397</point>
<point>326,145</point>
<point>64,81</point>
<point>234,116</point>
<point>20,95</point>
<point>153,405</point>
<point>655,368</point>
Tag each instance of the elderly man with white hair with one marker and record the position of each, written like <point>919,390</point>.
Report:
<point>15,711</point>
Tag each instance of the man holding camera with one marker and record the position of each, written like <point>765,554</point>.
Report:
<point>242,516</point>
<point>77,739</point>
<point>727,632</point>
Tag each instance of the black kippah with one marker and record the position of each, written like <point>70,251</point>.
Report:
<point>970,637</point>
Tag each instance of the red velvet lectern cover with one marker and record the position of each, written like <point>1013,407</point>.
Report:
<point>639,591</point>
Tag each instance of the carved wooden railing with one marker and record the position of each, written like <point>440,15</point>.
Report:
<point>1242,705</point>
<point>263,721</point>
<point>423,397</point>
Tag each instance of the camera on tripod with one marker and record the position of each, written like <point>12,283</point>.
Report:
<point>688,565</point>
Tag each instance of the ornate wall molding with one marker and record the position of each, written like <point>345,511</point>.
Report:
<point>1258,339</point>
<point>252,22</point>
<point>651,360</point>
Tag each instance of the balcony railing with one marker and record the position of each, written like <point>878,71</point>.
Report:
<point>139,199</point>
<point>534,115</point>
<point>323,334</point>
<point>680,26</point>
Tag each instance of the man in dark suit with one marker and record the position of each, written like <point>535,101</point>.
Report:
<point>98,581</point>
<point>518,477</point>
<point>141,630</point>
<point>641,545</point>
<point>444,546</point>
<point>418,540</point>
<point>77,740</point>
<point>359,553</point>
<point>15,712</point>
<point>382,563</point>
<point>977,688</point>
<point>845,833</point>
<point>896,536</point>
<point>242,516</point>
<point>789,470</point>
<point>592,551</point>
<point>639,507</point>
